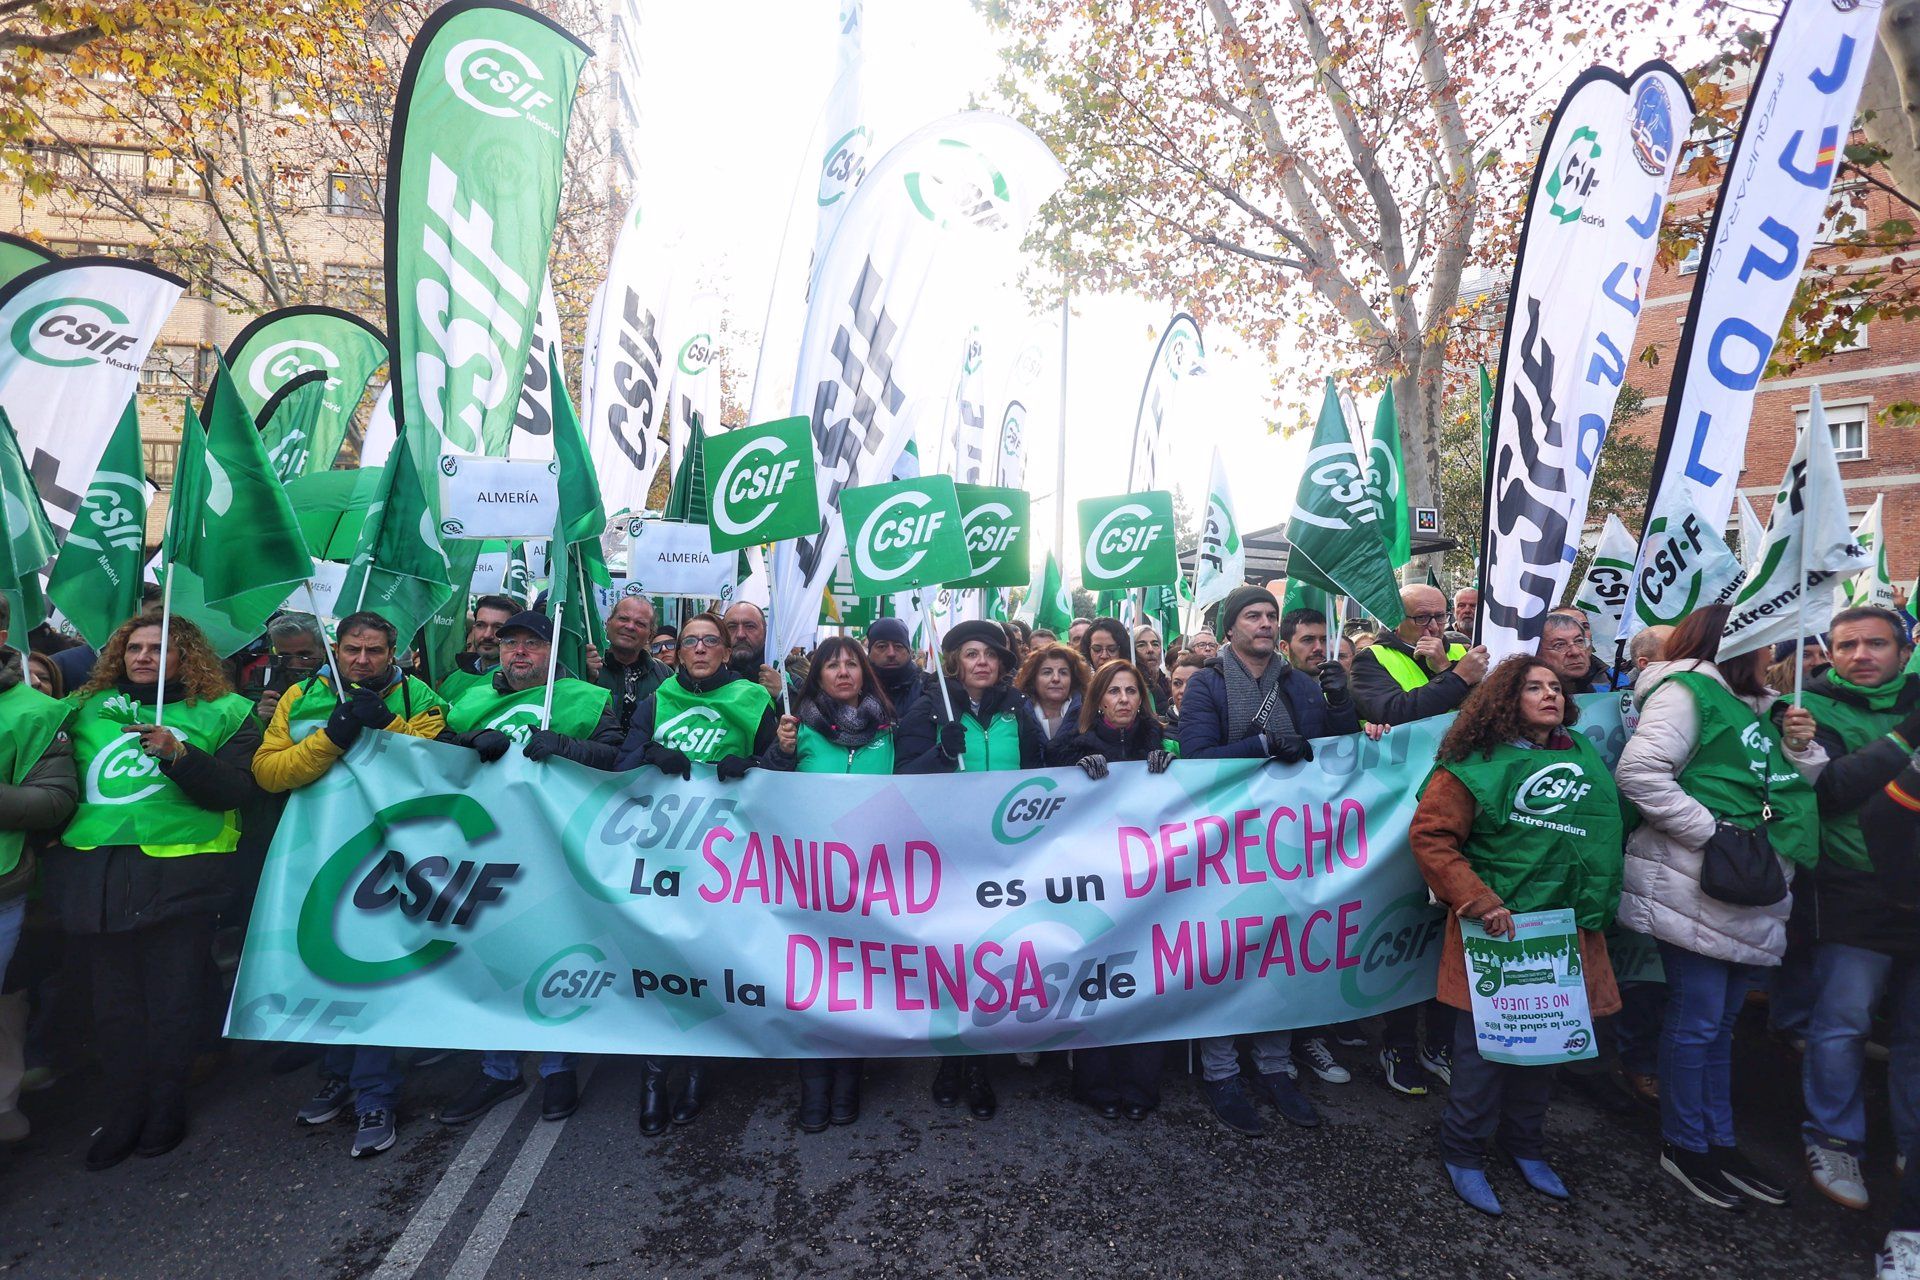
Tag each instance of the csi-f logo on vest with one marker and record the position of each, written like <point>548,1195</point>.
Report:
<point>903,534</point>
<point>994,522</point>
<point>760,484</point>
<point>69,333</point>
<point>1549,790</point>
<point>1127,541</point>
<point>517,723</point>
<point>124,773</point>
<point>498,79</point>
<point>696,731</point>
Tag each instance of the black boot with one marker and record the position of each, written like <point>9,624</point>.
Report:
<point>846,1091</point>
<point>166,1123</point>
<point>118,1136</point>
<point>946,1082</point>
<point>980,1099</point>
<point>816,1086</point>
<point>653,1097</point>
<point>693,1094</point>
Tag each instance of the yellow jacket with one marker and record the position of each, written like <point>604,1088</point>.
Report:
<point>281,764</point>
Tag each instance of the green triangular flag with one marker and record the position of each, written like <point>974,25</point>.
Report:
<point>576,561</point>
<point>1335,537</point>
<point>1386,483</point>
<point>1053,603</point>
<point>287,424</point>
<point>28,543</point>
<point>1301,596</point>
<point>96,580</point>
<point>1486,420</point>
<point>400,571</point>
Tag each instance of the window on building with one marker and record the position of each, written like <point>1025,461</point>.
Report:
<point>57,158</point>
<point>1848,423</point>
<point>355,287</point>
<point>97,249</point>
<point>162,456</point>
<point>1691,263</point>
<point>290,187</point>
<point>1719,146</point>
<point>175,176</point>
<point>122,167</point>
<point>1846,215</point>
<point>353,195</point>
<point>172,368</point>
<point>620,157</point>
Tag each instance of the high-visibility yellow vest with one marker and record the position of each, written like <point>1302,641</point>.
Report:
<point>1406,669</point>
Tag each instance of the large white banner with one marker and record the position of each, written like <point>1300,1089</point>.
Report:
<point>1772,200</point>
<point>1025,397</point>
<point>1592,225</point>
<point>938,221</point>
<point>696,375</point>
<point>1177,361</point>
<point>533,419</point>
<point>77,332</point>
<point>626,394</point>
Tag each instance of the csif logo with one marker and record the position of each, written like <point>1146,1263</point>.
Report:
<point>492,76</point>
<point>125,774</point>
<point>1574,176</point>
<point>958,186</point>
<point>517,723</point>
<point>843,166</point>
<point>71,333</point>
<point>112,514</point>
<point>1551,789</point>
<point>1334,469</point>
<point>1127,530</point>
<point>742,483</point>
<point>890,528</point>
<point>990,532</point>
<point>566,985</point>
<point>696,731</point>
<point>696,354</point>
<point>283,361</point>
<point>1025,811</point>
<point>1754,740</point>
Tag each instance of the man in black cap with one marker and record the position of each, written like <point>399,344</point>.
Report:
<point>1245,703</point>
<point>890,649</point>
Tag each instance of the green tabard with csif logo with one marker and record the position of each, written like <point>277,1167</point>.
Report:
<point>126,799</point>
<point>1547,829</point>
<point>710,726</point>
<point>576,709</point>
<point>1737,749</point>
<point>32,720</point>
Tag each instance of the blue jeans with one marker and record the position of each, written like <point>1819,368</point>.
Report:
<point>372,1074</point>
<point>13,914</point>
<point>1791,994</point>
<point>1696,1048</point>
<point>504,1064</point>
<point>1848,983</point>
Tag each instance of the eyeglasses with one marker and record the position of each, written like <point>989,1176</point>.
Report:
<point>702,642</point>
<point>1426,619</point>
<point>1562,646</point>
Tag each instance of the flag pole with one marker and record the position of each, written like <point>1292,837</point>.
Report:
<point>166,619</point>
<point>553,661</point>
<point>1807,526</point>
<point>939,672</point>
<point>333,658</point>
<point>776,661</point>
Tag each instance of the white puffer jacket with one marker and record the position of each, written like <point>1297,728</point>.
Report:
<point>1661,893</point>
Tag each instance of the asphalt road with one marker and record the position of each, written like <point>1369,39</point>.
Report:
<point>1042,1189</point>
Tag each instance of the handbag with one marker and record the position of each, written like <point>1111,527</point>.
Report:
<point>1738,866</point>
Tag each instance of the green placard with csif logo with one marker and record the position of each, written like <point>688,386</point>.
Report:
<point>904,534</point>
<point>995,522</point>
<point>760,483</point>
<point>1127,541</point>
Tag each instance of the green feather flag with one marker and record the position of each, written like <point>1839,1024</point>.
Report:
<point>1335,533</point>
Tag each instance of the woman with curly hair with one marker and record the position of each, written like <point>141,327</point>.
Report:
<point>1486,849</point>
<point>1054,678</point>
<point>139,869</point>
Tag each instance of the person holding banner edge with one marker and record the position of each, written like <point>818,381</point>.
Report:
<point>842,722</point>
<point>310,730</point>
<point>707,714</point>
<point>1485,864</point>
<point>138,870</point>
<point>991,728</point>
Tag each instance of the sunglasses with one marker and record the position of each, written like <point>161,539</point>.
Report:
<point>663,646</point>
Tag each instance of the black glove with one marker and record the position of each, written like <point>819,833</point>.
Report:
<point>1288,748</point>
<point>490,744</point>
<point>343,727</point>
<point>668,760</point>
<point>953,740</point>
<point>1909,729</point>
<point>1333,684</point>
<point>1094,766</point>
<point>543,743</point>
<point>368,709</point>
<point>733,768</point>
<point>1157,760</point>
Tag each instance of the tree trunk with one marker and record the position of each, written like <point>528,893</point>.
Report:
<point>1890,101</point>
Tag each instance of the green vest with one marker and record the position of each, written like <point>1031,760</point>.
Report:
<point>576,709</point>
<point>29,722</point>
<point>1406,669</point>
<point>1737,750</point>
<point>995,746</point>
<point>125,799</point>
<point>1840,836</point>
<point>407,699</point>
<point>818,753</point>
<point>1546,829</point>
<point>710,726</point>
<point>460,681</point>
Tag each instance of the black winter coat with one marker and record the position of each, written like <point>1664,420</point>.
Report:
<point>916,744</point>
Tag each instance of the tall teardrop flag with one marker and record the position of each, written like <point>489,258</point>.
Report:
<point>28,541</point>
<point>1335,529</point>
<point>1603,592</point>
<point>97,580</point>
<point>1753,532</point>
<point>1386,482</point>
<point>287,423</point>
<point>1220,563</point>
<point>281,346</point>
<point>1874,585</point>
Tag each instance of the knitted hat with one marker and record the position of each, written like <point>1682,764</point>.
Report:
<point>1242,598</point>
<point>889,631</point>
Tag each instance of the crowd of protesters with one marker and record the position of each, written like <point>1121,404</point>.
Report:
<point>135,814</point>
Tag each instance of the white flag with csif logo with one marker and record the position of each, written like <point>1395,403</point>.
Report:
<point>1591,228</point>
<point>936,223</point>
<point>1603,592</point>
<point>77,332</point>
<point>627,342</point>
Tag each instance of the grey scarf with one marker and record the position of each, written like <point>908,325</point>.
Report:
<point>1245,694</point>
<point>843,725</point>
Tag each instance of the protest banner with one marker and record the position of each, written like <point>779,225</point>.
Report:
<point>675,558</point>
<point>1529,992</point>
<point>415,895</point>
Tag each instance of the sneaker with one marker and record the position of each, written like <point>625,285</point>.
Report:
<point>1899,1258</point>
<point>1279,1088</point>
<point>1836,1171</point>
<point>13,1127</point>
<point>1746,1177</point>
<point>1404,1073</point>
<point>1320,1062</point>
<point>326,1104</point>
<point>1700,1175</point>
<point>1232,1106</point>
<point>374,1133</point>
<point>1877,1052</point>
<point>1027,1059</point>
<point>1439,1062</point>
<point>479,1098</point>
<point>38,1079</point>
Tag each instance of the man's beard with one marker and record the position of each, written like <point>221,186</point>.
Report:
<point>746,660</point>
